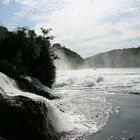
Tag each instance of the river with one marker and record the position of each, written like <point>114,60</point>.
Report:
<point>94,104</point>
<point>100,104</point>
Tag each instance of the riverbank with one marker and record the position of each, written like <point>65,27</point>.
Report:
<point>125,125</point>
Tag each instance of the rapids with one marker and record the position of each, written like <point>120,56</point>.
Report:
<point>82,108</point>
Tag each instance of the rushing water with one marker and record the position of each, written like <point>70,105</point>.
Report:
<point>84,98</point>
<point>89,100</point>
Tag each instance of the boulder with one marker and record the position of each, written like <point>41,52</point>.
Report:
<point>22,118</point>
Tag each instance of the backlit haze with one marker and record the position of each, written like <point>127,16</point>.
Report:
<point>85,26</point>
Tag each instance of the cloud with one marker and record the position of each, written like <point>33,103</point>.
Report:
<point>33,4</point>
<point>37,7</point>
<point>81,20</point>
<point>95,25</point>
<point>5,1</point>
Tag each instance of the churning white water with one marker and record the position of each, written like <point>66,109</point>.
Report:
<point>83,97</point>
<point>83,108</point>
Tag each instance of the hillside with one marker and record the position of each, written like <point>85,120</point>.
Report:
<point>115,58</point>
<point>67,59</point>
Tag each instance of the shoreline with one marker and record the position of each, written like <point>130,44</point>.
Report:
<point>125,125</point>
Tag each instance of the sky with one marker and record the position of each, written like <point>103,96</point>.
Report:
<point>85,26</point>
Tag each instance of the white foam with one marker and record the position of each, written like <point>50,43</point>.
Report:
<point>10,88</point>
<point>83,108</point>
<point>82,113</point>
<point>112,80</point>
<point>83,98</point>
<point>61,121</point>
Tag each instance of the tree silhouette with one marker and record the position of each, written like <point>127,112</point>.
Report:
<point>23,52</point>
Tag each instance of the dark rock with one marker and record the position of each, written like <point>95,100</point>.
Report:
<point>22,118</point>
<point>99,79</point>
<point>135,93</point>
<point>28,86</point>
<point>130,139</point>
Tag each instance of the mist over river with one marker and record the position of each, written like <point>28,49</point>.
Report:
<point>92,99</point>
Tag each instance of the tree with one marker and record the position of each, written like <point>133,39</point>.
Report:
<point>27,53</point>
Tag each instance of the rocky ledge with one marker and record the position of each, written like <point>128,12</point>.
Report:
<point>30,86</point>
<point>22,118</point>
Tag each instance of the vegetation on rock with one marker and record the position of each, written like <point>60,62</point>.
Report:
<point>23,52</point>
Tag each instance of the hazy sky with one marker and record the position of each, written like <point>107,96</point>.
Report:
<point>85,26</point>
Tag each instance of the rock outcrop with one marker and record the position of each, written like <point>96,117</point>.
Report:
<point>30,86</point>
<point>22,118</point>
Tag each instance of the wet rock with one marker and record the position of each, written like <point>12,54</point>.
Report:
<point>130,139</point>
<point>99,79</point>
<point>135,93</point>
<point>22,118</point>
<point>29,86</point>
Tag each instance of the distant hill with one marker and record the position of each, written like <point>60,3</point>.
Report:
<point>115,58</point>
<point>68,59</point>
<point>119,58</point>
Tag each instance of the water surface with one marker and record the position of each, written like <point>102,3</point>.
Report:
<point>126,124</point>
<point>92,99</point>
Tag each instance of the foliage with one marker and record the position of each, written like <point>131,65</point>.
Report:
<point>23,52</point>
